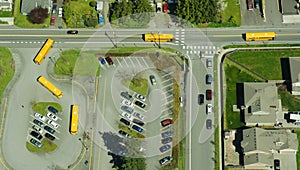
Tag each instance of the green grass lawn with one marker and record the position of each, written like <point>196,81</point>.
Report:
<point>261,45</point>
<point>7,69</point>
<point>132,133</point>
<point>217,166</point>
<point>289,101</point>
<point>234,75</point>
<point>232,9</point>
<point>69,63</point>
<point>138,85</point>
<point>48,146</point>
<point>5,13</point>
<point>22,21</point>
<point>41,107</point>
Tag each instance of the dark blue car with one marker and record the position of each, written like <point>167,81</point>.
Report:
<point>138,129</point>
<point>102,60</point>
<point>52,109</point>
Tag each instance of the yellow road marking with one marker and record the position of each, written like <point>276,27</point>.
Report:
<point>68,36</point>
<point>103,104</point>
<point>80,158</point>
<point>1,129</point>
<point>91,149</point>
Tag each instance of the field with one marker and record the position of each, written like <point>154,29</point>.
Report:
<point>7,69</point>
<point>41,107</point>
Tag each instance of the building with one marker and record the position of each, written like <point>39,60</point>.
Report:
<point>258,103</point>
<point>28,5</point>
<point>6,5</point>
<point>261,147</point>
<point>294,75</point>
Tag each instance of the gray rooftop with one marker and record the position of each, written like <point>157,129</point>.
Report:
<point>28,5</point>
<point>261,103</point>
<point>295,69</point>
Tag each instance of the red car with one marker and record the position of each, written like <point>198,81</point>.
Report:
<point>109,60</point>
<point>208,94</point>
<point>52,21</point>
<point>166,122</point>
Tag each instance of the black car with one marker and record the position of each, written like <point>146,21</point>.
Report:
<point>72,32</point>
<point>276,164</point>
<point>165,148</point>
<point>36,135</point>
<point>123,133</point>
<point>126,95</point>
<point>39,123</point>
<point>166,134</point>
<point>140,104</point>
<point>166,140</point>
<point>49,129</point>
<point>200,99</point>
<point>36,143</point>
<point>165,160</point>
<point>47,135</point>
<point>52,109</point>
<point>126,122</point>
<point>208,79</point>
<point>138,122</point>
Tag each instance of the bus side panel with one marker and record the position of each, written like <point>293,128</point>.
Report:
<point>43,51</point>
<point>74,120</point>
<point>58,93</point>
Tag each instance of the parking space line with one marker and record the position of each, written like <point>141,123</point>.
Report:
<point>146,64</point>
<point>130,59</point>
<point>167,86</point>
<point>119,63</point>
<point>124,59</point>
<point>139,61</point>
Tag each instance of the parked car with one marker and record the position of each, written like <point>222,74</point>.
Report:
<point>52,116</point>
<point>165,148</point>
<point>138,122</point>
<point>102,60</point>
<point>138,115</point>
<point>41,117</point>
<point>52,123</point>
<point>126,95</point>
<point>123,133</point>
<point>37,128</point>
<point>127,115</point>
<point>60,12</point>
<point>209,109</point>
<point>39,123</point>
<point>140,104</point>
<point>36,143</point>
<point>166,134</point>
<point>138,129</point>
<point>36,135</point>
<point>200,99</point>
<point>53,109</point>
<point>109,60</point>
<point>208,78</point>
<point>49,129</point>
<point>72,32</point>
<point>127,109</point>
<point>208,94</point>
<point>165,160</point>
<point>127,103</point>
<point>208,123</point>
<point>47,135</point>
<point>140,97</point>
<point>208,63</point>
<point>152,79</point>
<point>276,164</point>
<point>166,122</point>
<point>52,21</point>
<point>166,140</point>
<point>124,121</point>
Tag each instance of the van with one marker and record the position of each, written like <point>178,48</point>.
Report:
<point>209,109</point>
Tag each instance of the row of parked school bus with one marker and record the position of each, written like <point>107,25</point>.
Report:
<point>38,59</point>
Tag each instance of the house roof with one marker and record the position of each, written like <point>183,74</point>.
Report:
<point>258,159</point>
<point>261,103</point>
<point>295,72</point>
<point>268,141</point>
<point>28,5</point>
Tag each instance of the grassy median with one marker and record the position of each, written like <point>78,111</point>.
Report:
<point>48,146</point>
<point>41,107</point>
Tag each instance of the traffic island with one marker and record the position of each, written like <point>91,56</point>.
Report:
<point>47,146</point>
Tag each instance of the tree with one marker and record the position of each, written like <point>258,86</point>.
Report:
<point>38,15</point>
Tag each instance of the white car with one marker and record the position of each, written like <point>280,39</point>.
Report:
<point>138,115</point>
<point>209,109</point>
<point>127,115</point>
<point>41,117</point>
<point>52,116</point>
<point>127,103</point>
<point>140,97</point>
<point>60,11</point>
<point>52,123</point>
<point>36,128</point>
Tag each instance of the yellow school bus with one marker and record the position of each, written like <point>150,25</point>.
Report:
<point>39,58</point>
<point>158,37</point>
<point>74,120</point>
<point>50,86</point>
<point>260,36</point>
